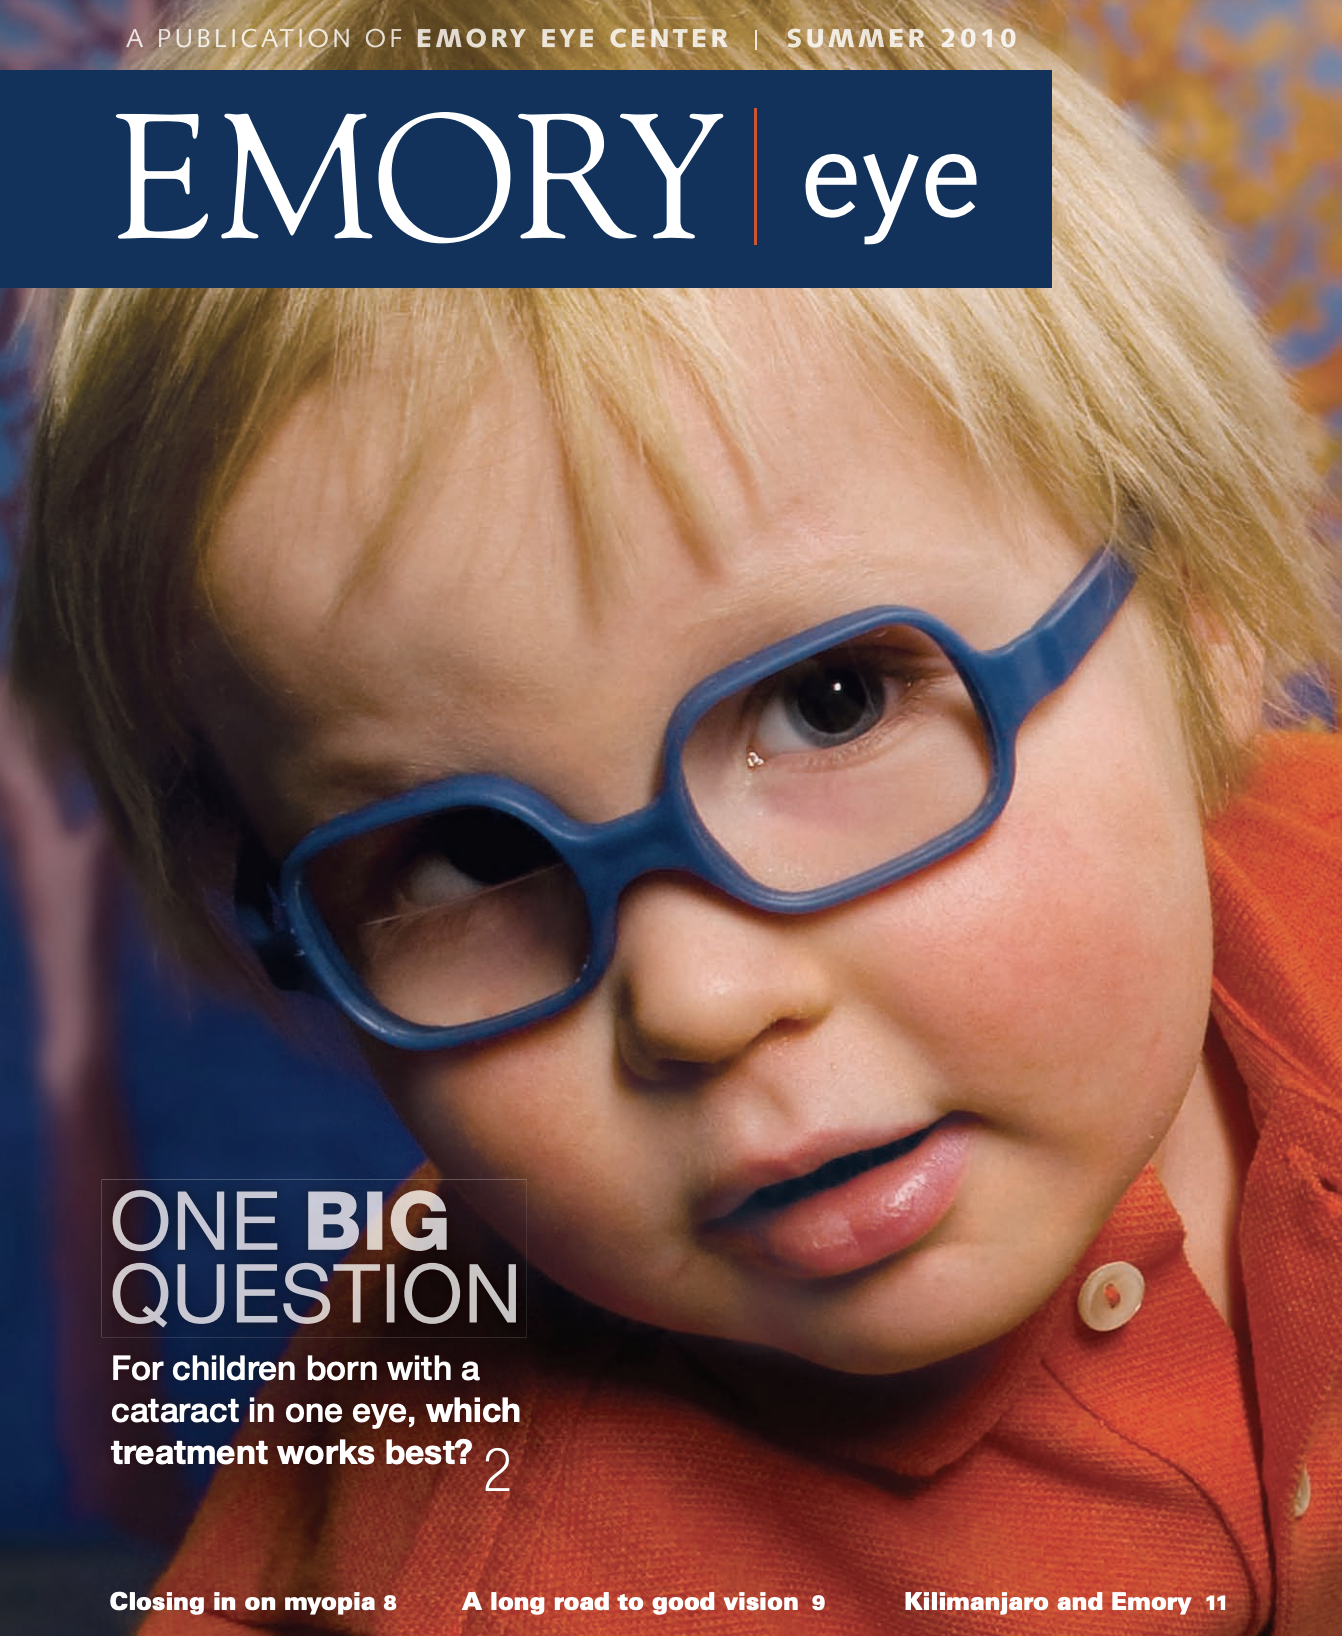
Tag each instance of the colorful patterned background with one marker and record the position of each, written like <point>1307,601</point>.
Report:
<point>1246,97</point>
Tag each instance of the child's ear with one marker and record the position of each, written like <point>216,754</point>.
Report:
<point>1237,668</point>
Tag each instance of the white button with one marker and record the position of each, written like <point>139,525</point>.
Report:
<point>1300,1499</point>
<point>1111,1295</point>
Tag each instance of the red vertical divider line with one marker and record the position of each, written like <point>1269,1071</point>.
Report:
<point>757,176</point>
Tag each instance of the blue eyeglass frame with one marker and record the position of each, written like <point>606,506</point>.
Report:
<point>279,921</point>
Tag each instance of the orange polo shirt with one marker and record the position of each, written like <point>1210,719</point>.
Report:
<point>1091,1464</point>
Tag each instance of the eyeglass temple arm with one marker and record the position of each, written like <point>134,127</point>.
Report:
<point>1036,663</point>
<point>262,922</point>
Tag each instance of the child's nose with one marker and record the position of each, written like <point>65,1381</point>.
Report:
<point>700,978</point>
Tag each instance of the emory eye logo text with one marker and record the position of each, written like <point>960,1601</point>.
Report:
<point>829,171</point>
<point>563,178</point>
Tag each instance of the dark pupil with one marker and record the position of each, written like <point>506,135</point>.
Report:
<point>490,847</point>
<point>833,700</point>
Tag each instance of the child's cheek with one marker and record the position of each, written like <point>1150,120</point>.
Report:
<point>540,1105</point>
<point>1059,971</point>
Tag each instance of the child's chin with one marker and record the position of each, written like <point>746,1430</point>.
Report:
<point>886,1322</point>
<point>948,1362</point>
<point>875,1356</point>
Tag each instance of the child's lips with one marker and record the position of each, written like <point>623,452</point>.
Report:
<point>851,1211</point>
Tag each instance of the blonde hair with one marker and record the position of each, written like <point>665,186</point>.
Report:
<point>1136,394</point>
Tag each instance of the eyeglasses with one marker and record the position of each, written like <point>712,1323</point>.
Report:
<point>821,768</point>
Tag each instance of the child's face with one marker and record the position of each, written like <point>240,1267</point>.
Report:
<point>1035,1004</point>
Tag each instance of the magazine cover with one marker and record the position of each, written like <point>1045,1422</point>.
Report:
<point>672,818</point>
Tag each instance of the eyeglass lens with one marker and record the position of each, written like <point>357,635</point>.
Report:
<point>806,778</point>
<point>453,917</point>
<point>841,763</point>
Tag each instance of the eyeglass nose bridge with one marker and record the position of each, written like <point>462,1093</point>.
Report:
<point>665,836</point>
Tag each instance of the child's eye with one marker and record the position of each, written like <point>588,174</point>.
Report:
<point>827,701</point>
<point>447,861</point>
<point>457,853</point>
<point>846,695</point>
<point>431,882</point>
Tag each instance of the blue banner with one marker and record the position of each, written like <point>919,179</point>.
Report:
<point>543,178</point>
